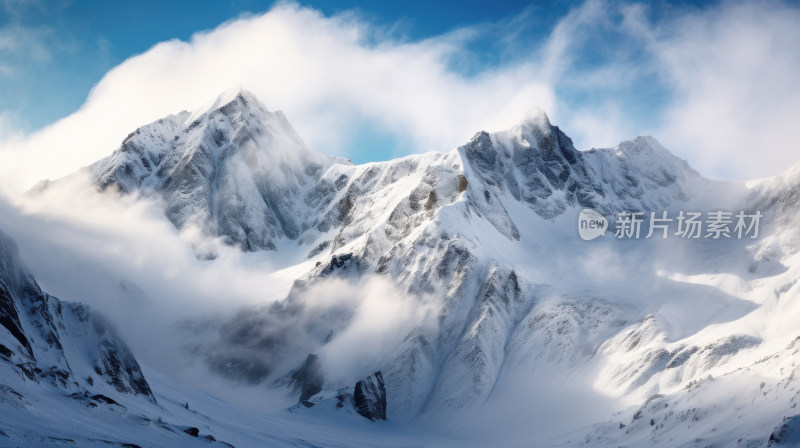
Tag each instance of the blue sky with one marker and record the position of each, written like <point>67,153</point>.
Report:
<point>603,70</point>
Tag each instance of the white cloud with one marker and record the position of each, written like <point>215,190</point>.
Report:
<point>327,74</point>
<point>735,72</point>
<point>728,71</point>
<point>24,43</point>
<point>122,257</point>
<point>383,317</point>
<point>9,128</point>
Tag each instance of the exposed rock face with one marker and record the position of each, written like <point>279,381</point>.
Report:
<point>787,434</point>
<point>340,264</point>
<point>531,162</point>
<point>9,319</point>
<point>256,340</point>
<point>307,379</point>
<point>537,164</point>
<point>116,363</point>
<point>369,397</point>
<point>45,340</point>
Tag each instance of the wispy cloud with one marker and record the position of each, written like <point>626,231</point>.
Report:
<point>734,71</point>
<point>121,256</point>
<point>8,125</point>
<point>18,8</point>
<point>19,42</point>
<point>718,85</point>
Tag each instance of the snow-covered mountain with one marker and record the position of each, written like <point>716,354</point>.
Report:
<point>518,327</point>
<point>233,169</point>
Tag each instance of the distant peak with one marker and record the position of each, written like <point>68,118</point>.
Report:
<point>236,94</point>
<point>233,95</point>
<point>537,117</point>
<point>648,140</point>
<point>642,143</point>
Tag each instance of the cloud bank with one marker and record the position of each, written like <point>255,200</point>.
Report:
<point>121,256</point>
<point>186,316</point>
<point>716,85</point>
<point>734,71</point>
<point>327,74</point>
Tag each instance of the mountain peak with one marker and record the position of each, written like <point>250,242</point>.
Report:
<point>227,99</point>
<point>232,168</point>
<point>642,143</point>
<point>648,152</point>
<point>536,117</point>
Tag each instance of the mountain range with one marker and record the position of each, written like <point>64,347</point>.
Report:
<point>507,328</point>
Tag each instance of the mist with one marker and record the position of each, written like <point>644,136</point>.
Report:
<point>122,257</point>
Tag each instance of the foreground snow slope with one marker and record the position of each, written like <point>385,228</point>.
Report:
<point>519,327</point>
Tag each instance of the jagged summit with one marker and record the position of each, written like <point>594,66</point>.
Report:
<point>233,169</point>
<point>235,95</point>
<point>536,116</point>
<point>647,147</point>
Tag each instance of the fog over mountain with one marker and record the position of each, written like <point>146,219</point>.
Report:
<point>439,299</point>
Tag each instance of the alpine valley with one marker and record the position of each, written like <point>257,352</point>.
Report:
<point>439,299</point>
